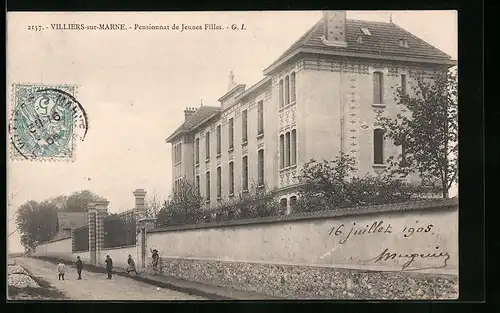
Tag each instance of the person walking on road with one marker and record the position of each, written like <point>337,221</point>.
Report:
<point>61,269</point>
<point>79,267</point>
<point>131,265</point>
<point>109,266</point>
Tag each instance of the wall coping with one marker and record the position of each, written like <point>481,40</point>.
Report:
<point>80,251</point>
<point>53,240</point>
<point>119,247</point>
<point>434,204</point>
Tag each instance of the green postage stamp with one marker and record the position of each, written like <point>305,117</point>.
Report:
<point>46,122</point>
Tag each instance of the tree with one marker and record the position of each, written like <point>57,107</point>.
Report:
<point>37,222</point>
<point>427,130</point>
<point>80,200</point>
<point>254,203</point>
<point>153,205</point>
<point>183,207</point>
<point>333,184</point>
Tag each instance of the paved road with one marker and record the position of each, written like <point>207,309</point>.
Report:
<point>95,286</point>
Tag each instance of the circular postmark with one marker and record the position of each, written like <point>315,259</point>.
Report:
<point>46,122</point>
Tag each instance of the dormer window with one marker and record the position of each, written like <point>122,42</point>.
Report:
<point>403,43</point>
<point>366,31</point>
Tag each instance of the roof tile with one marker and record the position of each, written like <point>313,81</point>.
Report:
<point>384,39</point>
<point>201,114</point>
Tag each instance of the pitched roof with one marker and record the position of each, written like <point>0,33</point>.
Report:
<point>69,220</point>
<point>384,40</point>
<point>201,114</point>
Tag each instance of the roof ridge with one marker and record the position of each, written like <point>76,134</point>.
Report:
<point>302,39</point>
<point>419,39</point>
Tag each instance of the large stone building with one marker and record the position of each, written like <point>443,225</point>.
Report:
<point>320,97</point>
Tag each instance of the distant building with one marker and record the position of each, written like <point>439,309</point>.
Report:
<point>70,220</point>
<point>320,97</point>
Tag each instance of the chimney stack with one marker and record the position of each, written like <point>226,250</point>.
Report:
<point>188,112</point>
<point>334,28</point>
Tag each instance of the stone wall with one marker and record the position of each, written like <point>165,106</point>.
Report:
<point>382,252</point>
<point>60,248</point>
<point>307,282</point>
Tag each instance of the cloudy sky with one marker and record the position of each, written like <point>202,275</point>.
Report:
<point>134,86</point>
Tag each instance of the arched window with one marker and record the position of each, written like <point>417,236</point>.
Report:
<point>283,205</point>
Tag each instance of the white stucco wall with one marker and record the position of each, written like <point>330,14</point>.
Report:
<point>432,234</point>
<point>119,255</point>
<point>59,248</point>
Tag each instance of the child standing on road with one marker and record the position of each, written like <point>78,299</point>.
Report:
<point>79,267</point>
<point>61,269</point>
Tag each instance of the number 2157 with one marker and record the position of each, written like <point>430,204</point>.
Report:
<point>36,28</point>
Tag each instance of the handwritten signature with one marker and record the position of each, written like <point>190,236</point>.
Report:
<point>386,256</point>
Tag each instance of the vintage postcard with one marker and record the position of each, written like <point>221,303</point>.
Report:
<point>232,155</point>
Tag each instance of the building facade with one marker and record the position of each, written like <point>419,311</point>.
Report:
<point>321,97</point>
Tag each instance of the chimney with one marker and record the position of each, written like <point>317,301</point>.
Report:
<point>334,28</point>
<point>188,112</point>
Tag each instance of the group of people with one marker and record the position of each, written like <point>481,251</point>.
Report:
<point>61,267</point>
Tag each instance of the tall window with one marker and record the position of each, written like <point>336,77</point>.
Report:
<point>260,117</point>
<point>281,93</point>
<point>293,148</point>
<point>207,186</point>
<point>219,183</point>
<point>198,183</point>
<point>177,153</point>
<point>378,88</point>
<point>245,173</point>
<point>287,90</point>
<point>207,145</point>
<point>378,146</point>
<point>403,84</point>
<point>218,139</point>
<point>283,205</point>
<point>292,87</point>
<point>282,151</point>
<point>197,150</point>
<point>287,149</point>
<point>244,126</point>
<point>260,158</point>
<point>231,133</point>
<point>231,178</point>
<point>293,201</point>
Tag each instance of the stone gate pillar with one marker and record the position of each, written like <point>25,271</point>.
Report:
<point>101,211</point>
<point>145,224</point>
<point>73,244</point>
<point>140,203</point>
<point>92,233</point>
<point>140,212</point>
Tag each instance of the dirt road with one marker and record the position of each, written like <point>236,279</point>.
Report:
<point>95,286</point>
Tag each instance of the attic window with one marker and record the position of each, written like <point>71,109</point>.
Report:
<point>403,43</point>
<point>366,31</point>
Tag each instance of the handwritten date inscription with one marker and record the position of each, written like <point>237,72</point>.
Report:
<point>377,227</point>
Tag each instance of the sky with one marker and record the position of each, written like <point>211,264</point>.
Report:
<point>135,85</point>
